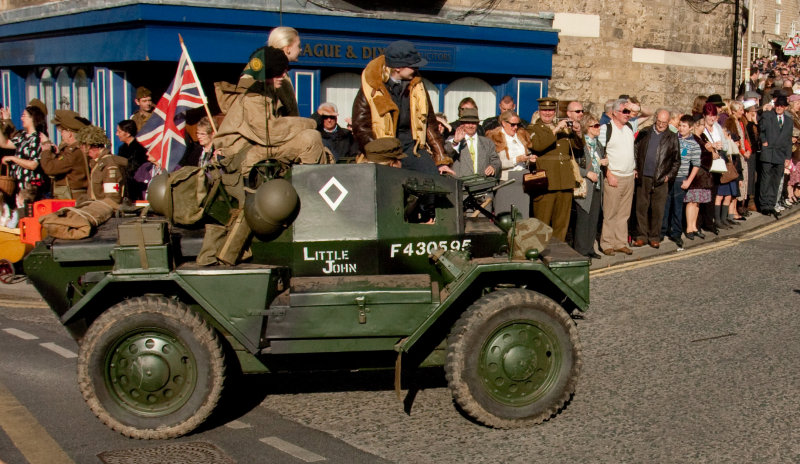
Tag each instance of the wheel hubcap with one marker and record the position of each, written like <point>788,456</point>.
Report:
<point>150,373</point>
<point>519,362</point>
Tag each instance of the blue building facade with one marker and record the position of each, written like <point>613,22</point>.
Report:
<point>91,61</point>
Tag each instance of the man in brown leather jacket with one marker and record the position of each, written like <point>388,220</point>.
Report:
<point>393,102</point>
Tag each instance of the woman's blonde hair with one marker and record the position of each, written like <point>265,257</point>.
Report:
<point>282,36</point>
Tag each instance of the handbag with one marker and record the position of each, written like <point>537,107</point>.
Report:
<point>580,190</point>
<point>718,166</point>
<point>730,174</point>
<point>535,181</point>
<point>7,183</point>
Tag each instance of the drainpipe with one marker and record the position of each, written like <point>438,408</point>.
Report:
<point>734,80</point>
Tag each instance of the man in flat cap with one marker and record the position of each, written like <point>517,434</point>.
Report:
<point>386,151</point>
<point>392,102</point>
<point>107,171</point>
<point>472,154</point>
<point>144,99</point>
<point>552,143</point>
<point>67,164</point>
<point>775,128</point>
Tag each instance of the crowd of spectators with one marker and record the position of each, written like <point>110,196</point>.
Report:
<point>646,175</point>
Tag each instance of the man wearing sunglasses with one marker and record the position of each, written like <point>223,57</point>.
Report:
<point>339,140</point>
<point>575,115</point>
<point>619,179</point>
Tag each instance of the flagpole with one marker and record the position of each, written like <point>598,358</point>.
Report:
<point>199,86</point>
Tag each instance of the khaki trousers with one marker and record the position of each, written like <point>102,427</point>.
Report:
<point>616,211</point>
<point>553,208</point>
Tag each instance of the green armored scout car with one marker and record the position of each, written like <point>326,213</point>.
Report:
<point>350,277</point>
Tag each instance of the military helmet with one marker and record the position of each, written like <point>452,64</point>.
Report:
<point>272,208</point>
<point>92,135</point>
<point>159,194</point>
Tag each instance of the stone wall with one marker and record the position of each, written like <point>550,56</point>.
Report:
<point>596,66</point>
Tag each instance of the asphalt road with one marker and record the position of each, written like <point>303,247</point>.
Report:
<point>688,357</point>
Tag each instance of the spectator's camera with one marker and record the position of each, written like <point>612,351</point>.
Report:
<point>569,124</point>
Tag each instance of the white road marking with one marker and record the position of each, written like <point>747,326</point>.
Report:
<point>235,424</point>
<point>59,350</point>
<point>294,450</point>
<point>21,334</point>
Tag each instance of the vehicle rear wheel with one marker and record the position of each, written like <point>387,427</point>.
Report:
<point>513,359</point>
<point>150,368</point>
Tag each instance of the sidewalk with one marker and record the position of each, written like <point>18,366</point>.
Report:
<point>25,291</point>
<point>754,221</point>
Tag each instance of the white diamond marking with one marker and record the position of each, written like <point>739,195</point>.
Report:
<point>323,192</point>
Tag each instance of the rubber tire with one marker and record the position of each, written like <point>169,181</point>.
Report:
<point>144,314</point>
<point>475,327</point>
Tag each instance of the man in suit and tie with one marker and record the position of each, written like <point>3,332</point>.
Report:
<point>472,153</point>
<point>776,153</point>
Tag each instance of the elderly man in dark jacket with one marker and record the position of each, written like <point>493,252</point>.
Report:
<point>339,140</point>
<point>658,158</point>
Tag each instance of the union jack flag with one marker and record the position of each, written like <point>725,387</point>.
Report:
<point>163,133</point>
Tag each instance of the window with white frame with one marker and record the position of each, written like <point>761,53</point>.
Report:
<point>47,95</point>
<point>341,89</point>
<point>478,89</point>
<point>63,90</point>
<point>80,93</point>
<point>31,87</point>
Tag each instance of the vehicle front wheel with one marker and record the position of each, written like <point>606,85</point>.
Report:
<point>151,368</point>
<point>513,359</point>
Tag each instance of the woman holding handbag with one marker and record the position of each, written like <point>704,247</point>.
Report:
<point>24,163</point>
<point>715,141</point>
<point>587,212</point>
<point>739,152</point>
<point>512,144</point>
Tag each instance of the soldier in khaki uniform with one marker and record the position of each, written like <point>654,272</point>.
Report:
<point>67,164</point>
<point>551,144</point>
<point>107,175</point>
<point>144,98</point>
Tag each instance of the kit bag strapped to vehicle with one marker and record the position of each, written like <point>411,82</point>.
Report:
<point>189,190</point>
<point>76,223</point>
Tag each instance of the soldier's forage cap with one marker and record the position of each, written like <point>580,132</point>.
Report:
<point>469,115</point>
<point>403,54</point>
<point>70,120</point>
<point>547,103</point>
<point>749,104</point>
<point>92,135</point>
<point>266,63</point>
<point>142,92</point>
<point>384,149</point>
<point>38,104</point>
